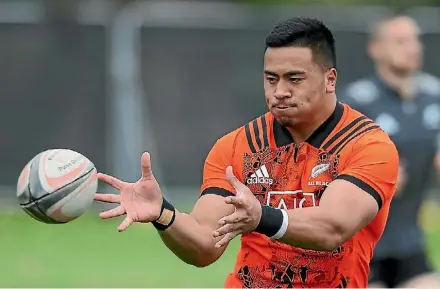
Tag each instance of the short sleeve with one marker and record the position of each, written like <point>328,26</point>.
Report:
<point>373,166</point>
<point>214,170</point>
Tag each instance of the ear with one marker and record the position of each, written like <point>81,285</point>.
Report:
<point>373,50</point>
<point>330,80</point>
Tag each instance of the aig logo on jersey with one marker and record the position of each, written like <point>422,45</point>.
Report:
<point>261,176</point>
<point>288,200</point>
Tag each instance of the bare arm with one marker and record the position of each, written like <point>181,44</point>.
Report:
<point>190,236</point>
<point>344,209</point>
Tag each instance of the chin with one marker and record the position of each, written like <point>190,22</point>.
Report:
<point>284,118</point>
<point>286,121</point>
<point>406,69</point>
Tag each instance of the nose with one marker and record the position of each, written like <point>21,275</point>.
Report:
<point>282,91</point>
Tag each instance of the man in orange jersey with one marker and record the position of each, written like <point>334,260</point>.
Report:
<point>307,185</point>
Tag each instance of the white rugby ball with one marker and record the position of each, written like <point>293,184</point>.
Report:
<point>57,186</point>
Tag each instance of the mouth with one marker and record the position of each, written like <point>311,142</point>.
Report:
<point>283,106</point>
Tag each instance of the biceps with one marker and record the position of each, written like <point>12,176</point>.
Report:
<point>209,209</point>
<point>349,207</point>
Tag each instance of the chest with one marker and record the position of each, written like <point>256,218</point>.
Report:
<point>289,177</point>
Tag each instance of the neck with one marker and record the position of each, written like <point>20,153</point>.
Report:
<point>402,83</point>
<point>302,131</point>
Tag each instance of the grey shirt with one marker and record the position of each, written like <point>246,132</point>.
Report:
<point>414,126</point>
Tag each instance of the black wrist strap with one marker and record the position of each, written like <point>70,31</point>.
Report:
<point>270,222</point>
<point>167,216</point>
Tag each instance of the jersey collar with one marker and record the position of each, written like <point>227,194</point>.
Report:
<point>283,137</point>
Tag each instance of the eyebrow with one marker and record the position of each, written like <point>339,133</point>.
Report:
<point>288,73</point>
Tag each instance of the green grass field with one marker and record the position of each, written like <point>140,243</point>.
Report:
<point>89,252</point>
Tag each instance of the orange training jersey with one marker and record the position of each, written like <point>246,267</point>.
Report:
<point>347,146</point>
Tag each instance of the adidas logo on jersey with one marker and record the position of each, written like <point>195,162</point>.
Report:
<point>261,176</point>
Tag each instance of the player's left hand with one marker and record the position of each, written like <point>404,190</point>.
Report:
<point>247,213</point>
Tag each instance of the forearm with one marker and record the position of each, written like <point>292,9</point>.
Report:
<point>311,228</point>
<point>192,242</point>
<point>308,228</point>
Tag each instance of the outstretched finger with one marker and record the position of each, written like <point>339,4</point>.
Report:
<point>236,201</point>
<point>125,224</point>
<point>232,179</point>
<point>115,212</point>
<point>147,173</point>
<point>112,181</point>
<point>108,198</point>
<point>223,230</point>
<point>226,239</point>
<point>232,219</point>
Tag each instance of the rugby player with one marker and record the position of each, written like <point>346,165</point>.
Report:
<point>405,102</point>
<point>307,185</point>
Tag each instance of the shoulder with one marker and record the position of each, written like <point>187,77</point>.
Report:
<point>363,133</point>
<point>247,137</point>
<point>361,92</point>
<point>374,140</point>
<point>428,84</point>
<point>364,141</point>
<point>371,161</point>
<point>373,145</point>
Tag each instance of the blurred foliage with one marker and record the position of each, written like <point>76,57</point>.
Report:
<point>393,3</point>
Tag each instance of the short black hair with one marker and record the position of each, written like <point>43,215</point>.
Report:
<point>305,32</point>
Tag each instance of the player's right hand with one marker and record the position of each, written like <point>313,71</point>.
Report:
<point>140,201</point>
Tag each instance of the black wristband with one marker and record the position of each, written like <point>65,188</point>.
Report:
<point>270,222</point>
<point>167,216</point>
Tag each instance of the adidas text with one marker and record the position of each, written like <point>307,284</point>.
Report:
<point>261,180</point>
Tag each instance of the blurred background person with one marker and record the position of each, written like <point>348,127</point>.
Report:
<point>405,102</point>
